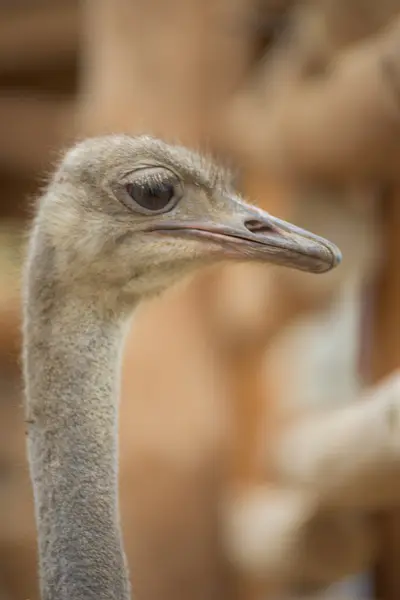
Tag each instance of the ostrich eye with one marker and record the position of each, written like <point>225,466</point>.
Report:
<point>152,196</point>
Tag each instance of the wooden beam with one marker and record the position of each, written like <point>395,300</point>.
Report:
<point>386,358</point>
<point>43,33</point>
<point>32,130</point>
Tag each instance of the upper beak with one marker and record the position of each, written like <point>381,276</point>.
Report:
<point>259,236</point>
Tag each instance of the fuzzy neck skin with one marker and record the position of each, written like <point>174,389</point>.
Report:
<point>72,355</point>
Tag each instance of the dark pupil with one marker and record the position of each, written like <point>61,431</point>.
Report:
<point>154,196</point>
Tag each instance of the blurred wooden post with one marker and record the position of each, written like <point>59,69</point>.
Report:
<point>167,69</point>
<point>385,359</point>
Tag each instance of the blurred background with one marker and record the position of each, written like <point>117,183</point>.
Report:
<point>302,99</point>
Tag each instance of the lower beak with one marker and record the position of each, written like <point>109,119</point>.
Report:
<point>262,237</point>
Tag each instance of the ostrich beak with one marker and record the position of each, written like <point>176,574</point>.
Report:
<point>252,234</point>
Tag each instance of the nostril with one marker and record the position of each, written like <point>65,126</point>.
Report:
<point>255,226</point>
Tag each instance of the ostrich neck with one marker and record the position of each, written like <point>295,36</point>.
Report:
<point>72,362</point>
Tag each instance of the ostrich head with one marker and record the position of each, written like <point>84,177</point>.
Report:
<point>131,215</point>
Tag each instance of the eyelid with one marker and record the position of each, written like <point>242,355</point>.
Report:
<point>137,171</point>
<point>152,180</point>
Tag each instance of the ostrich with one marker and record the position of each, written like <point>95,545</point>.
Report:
<point>122,218</point>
